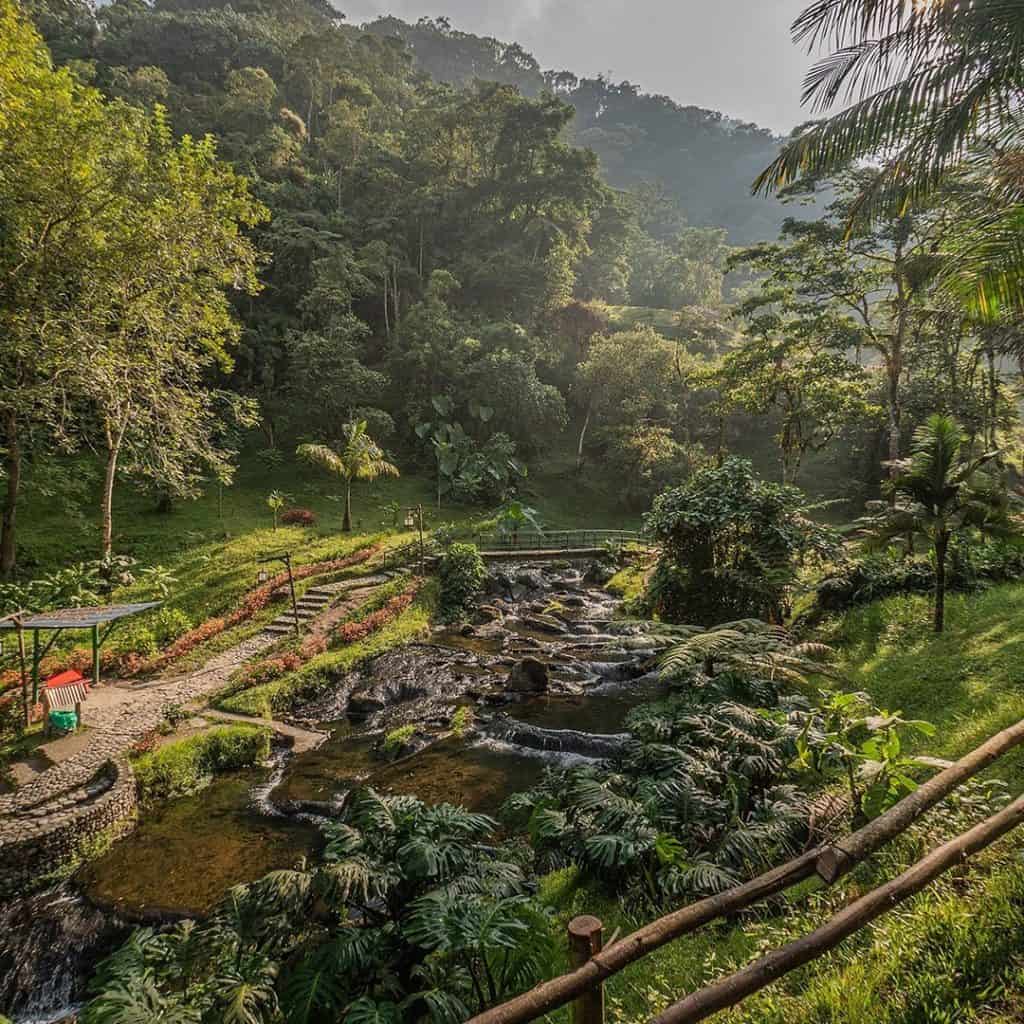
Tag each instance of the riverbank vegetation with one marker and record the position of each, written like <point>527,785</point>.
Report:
<point>182,765</point>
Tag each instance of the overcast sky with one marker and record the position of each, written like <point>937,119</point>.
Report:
<point>730,55</point>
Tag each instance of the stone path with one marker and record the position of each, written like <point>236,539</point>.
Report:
<point>318,600</point>
<point>301,739</point>
<point>116,718</point>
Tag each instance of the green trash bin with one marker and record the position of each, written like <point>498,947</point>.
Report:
<point>63,721</point>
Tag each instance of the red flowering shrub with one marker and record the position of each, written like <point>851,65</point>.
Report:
<point>352,632</point>
<point>12,714</point>
<point>312,645</point>
<point>146,743</point>
<point>131,663</point>
<point>299,517</point>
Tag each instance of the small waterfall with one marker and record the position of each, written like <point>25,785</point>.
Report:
<point>260,795</point>
<point>50,943</point>
<point>592,746</point>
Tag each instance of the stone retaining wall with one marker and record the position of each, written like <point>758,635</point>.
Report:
<point>42,842</point>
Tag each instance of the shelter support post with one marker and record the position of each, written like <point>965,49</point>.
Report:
<point>95,655</point>
<point>37,657</point>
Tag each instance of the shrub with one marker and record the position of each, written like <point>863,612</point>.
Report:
<point>182,766</point>
<point>398,738</point>
<point>12,714</point>
<point>461,721</point>
<point>972,566</point>
<point>299,517</point>
<point>169,624</point>
<point>732,546</point>
<point>360,629</point>
<point>136,638</point>
<point>462,576</point>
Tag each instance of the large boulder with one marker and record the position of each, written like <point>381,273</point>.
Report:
<point>531,579</point>
<point>599,573</point>
<point>528,676</point>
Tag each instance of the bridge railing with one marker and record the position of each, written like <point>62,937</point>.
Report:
<point>556,540</point>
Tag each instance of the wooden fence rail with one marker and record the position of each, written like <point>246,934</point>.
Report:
<point>829,862</point>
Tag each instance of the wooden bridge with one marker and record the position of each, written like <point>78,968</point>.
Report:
<point>538,545</point>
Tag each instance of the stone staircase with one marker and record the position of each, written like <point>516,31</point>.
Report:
<point>318,598</point>
<point>311,604</point>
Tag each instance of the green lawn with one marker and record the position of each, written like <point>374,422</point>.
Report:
<point>235,525</point>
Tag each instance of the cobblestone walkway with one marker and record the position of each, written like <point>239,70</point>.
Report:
<point>116,719</point>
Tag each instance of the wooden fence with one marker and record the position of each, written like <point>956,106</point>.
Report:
<point>583,986</point>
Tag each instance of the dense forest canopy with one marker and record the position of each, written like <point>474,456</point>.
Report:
<point>425,245</point>
<point>704,160</point>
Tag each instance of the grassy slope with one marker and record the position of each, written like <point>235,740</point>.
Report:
<point>970,684</point>
<point>194,539</point>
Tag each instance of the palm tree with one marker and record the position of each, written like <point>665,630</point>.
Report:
<point>357,457</point>
<point>942,490</point>
<point>929,86</point>
<point>929,81</point>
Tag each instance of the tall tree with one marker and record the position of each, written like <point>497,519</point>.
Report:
<point>851,291</point>
<point>155,315</point>
<point>64,167</point>
<point>928,86</point>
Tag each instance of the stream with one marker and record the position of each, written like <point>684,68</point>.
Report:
<point>548,676</point>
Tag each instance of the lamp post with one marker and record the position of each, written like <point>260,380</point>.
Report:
<point>263,577</point>
<point>414,519</point>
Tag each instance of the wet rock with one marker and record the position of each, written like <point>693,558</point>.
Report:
<point>599,573</point>
<point>490,631</point>
<point>572,601</point>
<point>364,703</point>
<point>405,746</point>
<point>488,613</point>
<point>531,579</point>
<point>498,583</point>
<point>544,623</point>
<point>566,741</point>
<point>528,676</point>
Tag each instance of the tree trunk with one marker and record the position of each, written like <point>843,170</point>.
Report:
<point>347,524</point>
<point>114,441</point>
<point>941,548</point>
<point>12,468</point>
<point>579,447</point>
<point>993,400</point>
<point>894,362</point>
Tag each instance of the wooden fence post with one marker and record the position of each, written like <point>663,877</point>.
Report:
<point>585,941</point>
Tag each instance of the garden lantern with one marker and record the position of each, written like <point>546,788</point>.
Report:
<point>410,519</point>
<point>262,576</point>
